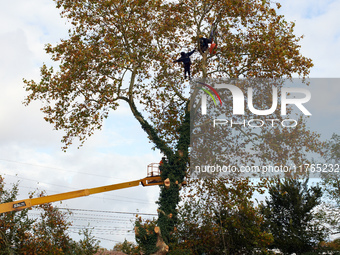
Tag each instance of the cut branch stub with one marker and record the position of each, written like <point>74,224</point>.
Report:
<point>163,248</point>
<point>167,183</point>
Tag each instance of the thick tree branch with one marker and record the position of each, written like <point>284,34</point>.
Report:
<point>153,136</point>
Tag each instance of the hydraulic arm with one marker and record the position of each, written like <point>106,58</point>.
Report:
<point>27,203</point>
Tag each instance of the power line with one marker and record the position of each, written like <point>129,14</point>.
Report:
<point>99,217</point>
<point>134,200</point>
<point>106,239</point>
<point>59,169</point>
<point>116,234</point>
<point>38,182</point>
<point>91,210</point>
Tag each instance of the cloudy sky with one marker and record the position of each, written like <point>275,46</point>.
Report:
<point>30,148</point>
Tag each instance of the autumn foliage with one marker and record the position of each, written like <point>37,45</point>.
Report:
<point>221,217</point>
<point>122,52</point>
<point>20,233</point>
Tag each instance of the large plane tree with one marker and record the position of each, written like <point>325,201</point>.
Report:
<point>123,52</point>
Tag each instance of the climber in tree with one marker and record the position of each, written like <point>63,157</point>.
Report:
<point>161,164</point>
<point>204,42</point>
<point>185,58</point>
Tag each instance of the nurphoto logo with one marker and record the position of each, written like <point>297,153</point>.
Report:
<point>239,99</point>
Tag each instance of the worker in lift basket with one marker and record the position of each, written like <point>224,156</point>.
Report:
<point>161,164</point>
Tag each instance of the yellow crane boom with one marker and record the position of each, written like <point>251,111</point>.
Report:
<point>27,203</point>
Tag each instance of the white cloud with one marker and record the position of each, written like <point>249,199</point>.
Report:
<point>319,22</point>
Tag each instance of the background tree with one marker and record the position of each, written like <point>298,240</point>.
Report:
<point>14,226</point>
<point>331,179</point>
<point>220,217</point>
<point>123,51</point>
<point>145,235</point>
<point>88,245</point>
<point>127,247</point>
<point>49,233</point>
<point>328,215</point>
<point>46,234</point>
<point>330,209</point>
<point>289,214</point>
<point>332,247</point>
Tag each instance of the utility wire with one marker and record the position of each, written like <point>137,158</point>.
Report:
<point>59,169</point>
<point>132,200</point>
<point>90,210</point>
<point>71,189</point>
